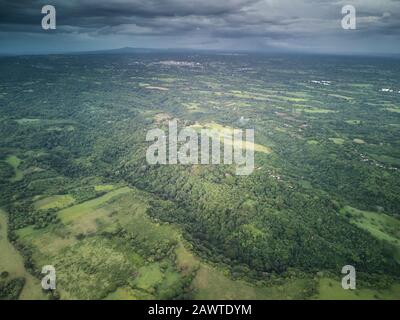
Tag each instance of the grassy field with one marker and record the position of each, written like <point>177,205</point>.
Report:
<point>91,266</point>
<point>104,187</point>
<point>338,141</point>
<point>228,131</point>
<point>317,110</point>
<point>127,293</point>
<point>94,267</point>
<point>353,122</point>
<point>149,276</point>
<point>27,121</point>
<point>380,225</point>
<point>340,97</point>
<point>12,262</point>
<point>211,283</point>
<point>76,211</point>
<point>329,289</point>
<point>394,110</point>
<point>14,161</point>
<point>54,202</point>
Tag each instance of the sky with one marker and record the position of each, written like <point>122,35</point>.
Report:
<point>310,26</point>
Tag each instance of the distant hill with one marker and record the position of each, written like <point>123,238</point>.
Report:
<point>126,50</point>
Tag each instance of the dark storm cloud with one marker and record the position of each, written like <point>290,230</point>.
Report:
<point>252,22</point>
<point>89,11</point>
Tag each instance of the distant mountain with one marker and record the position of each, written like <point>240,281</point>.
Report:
<point>125,50</point>
<point>132,50</point>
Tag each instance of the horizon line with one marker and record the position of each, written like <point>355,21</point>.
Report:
<point>119,50</point>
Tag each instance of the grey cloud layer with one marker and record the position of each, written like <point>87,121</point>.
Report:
<point>206,19</point>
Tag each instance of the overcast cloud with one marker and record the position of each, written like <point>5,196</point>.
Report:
<point>267,25</point>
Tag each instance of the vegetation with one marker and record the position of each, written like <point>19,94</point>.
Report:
<point>78,193</point>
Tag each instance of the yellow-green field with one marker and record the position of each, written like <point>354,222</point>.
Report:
<point>104,187</point>
<point>317,110</point>
<point>353,122</point>
<point>340,97</point>
<point>79,210</point>
<point>27,121</point>
<point>54,202</point>
<point>395,110</point>
<point>338,141</point>
<point>229,131</point>
<point>14,161</point>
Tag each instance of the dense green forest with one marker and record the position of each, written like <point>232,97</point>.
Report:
<point>79,194</point>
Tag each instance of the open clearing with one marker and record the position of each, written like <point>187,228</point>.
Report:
<point>76,211</point>
<point>380,225</point>
<point>14,161</point>
<point>211,283</point>
<point>54,202</point>
<point>329,289</point>
<point>338,141</point>
<point>228,131</point>
<point>104,187</point>
<point>315,110</point>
